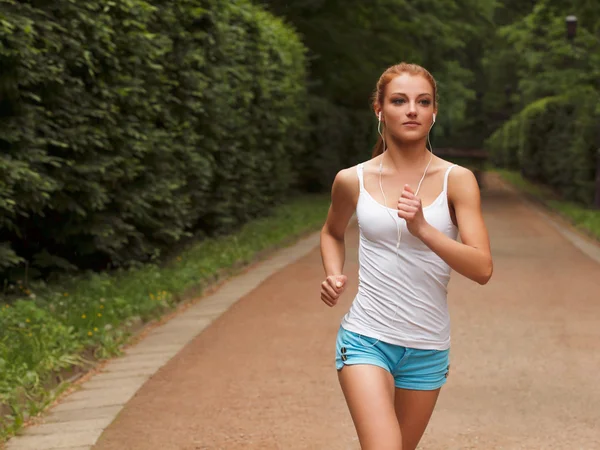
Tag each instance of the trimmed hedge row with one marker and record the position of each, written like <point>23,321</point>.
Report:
<point>339,137</point>
<point>553,141</point>
<point>124,126</point>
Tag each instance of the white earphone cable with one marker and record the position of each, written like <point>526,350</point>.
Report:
<point>396,222</point>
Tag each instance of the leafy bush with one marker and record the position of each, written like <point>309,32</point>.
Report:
<point>553,141</point>
<point>126,126</point>
<point>551,84</point>
<point>338,137</point>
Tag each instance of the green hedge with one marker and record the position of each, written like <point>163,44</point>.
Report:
<point>124,126</point>
<point>553,141</point>
<point>338,137</point>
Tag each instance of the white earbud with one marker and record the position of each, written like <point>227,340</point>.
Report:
<point>380,116</point>
<point>434,118</point>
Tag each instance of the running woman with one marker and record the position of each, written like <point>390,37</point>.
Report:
<point>392,348</point>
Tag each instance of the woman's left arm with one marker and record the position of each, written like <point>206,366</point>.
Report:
<point>472,256</point>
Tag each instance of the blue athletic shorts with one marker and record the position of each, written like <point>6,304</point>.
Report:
<point>415,369</point>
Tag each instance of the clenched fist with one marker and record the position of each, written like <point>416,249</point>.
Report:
<point>411,210</point>
<point>332,288</point>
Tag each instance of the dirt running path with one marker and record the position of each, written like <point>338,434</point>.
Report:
<point>525,358</point>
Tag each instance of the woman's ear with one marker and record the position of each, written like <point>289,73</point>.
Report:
<point>378,113</point>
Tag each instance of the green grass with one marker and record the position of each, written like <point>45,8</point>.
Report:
<point>584,218</point>
<point>46,329</point>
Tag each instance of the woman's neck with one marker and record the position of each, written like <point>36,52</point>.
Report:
<point>411,155</point>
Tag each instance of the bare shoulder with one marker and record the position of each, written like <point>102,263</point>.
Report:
<point>345,189</point>
<point>347,177</point>
<point>344,196</point>
<point>346,181</point>
<point>462,185</point>
<point>460,173</point>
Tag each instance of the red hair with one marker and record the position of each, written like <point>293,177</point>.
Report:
<point>387,76</point>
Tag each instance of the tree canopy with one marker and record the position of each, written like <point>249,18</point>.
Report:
<point>127,127</point>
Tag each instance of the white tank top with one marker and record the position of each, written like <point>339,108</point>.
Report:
<point>401,296</point>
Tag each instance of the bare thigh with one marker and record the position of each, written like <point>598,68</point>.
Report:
<point>413,410</point>
<point>369,392</point>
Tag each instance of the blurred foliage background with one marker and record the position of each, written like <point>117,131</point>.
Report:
<point>126,125</point>
<point>129,125</point>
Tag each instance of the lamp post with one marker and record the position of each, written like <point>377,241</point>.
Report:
<point>571,22</point>
<point>571,27</point>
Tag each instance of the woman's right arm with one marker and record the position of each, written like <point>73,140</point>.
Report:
<point>344,195</point>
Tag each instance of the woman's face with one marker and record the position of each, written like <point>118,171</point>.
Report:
<point>408,107</point>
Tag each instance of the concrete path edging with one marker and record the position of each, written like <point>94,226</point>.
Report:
<point>78,421</point>
<point>585,244</point>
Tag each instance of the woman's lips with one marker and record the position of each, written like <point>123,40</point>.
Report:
<point>411,124</point>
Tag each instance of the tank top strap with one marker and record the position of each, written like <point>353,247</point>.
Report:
<point>446,177</point>
<point>359,172</point>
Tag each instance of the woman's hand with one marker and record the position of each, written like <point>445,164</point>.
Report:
<point>471,256</point>
<point>332,288</point>
<point>411,210</point>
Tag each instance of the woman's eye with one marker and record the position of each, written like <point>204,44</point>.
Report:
<point>400,101</point>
